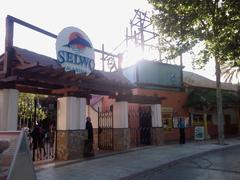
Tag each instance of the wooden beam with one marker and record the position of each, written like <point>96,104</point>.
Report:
<point>35,83</point>
<point>101,86</point>
<point>46,70</point>
<point>7,85</point>
<point>57,72</point>
<point>23,23</point>
<point>20,59</point>
<point>33,69</point>
<point>34,90</point>
<point>69,74</point>
<point>9,79</point>
<point>65,90</point>
<point>79,95</point>
<point>25,66</point>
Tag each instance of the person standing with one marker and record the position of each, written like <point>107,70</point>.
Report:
<point>34,134</point>
<point>181,126</point>
<point>89,144</point>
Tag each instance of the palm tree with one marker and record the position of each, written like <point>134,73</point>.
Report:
<point>230,73</point>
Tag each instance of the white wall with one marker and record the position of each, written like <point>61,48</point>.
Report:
<point>156,115</point>
<point>8,109</point>
<point>71,113</point>
<point>120,115</point>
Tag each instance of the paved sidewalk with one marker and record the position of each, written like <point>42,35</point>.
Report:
<point>128,164</point>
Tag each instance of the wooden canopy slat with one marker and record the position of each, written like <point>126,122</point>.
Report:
<point>40,78</point>
<point>103,86</point>
<point>35,83</point>
<point>34,90</point>
<point>69,75</point>
<point>65,90</point>
<point>56,72</point>
<point>34,68</point>
<point>20,59</point>
<point>46,70</point>
<point>25,66</point>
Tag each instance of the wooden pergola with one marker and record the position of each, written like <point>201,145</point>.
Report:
<point>35,73</point>
<point>30,72</point>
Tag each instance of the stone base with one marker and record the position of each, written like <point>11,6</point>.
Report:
<point>157,137</point>
<point>95,139</point>
<point>121,139</point>
<point>70,144</point>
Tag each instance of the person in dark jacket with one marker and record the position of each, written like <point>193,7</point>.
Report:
<point>34,135</point>
<point>181,126</point>
<point>89,144</point>
<point>89,128</point>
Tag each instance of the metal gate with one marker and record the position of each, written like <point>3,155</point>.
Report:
<point>145,122</point>
<point>37,116</point>
<point>105,129</point>
<point>140,123</point>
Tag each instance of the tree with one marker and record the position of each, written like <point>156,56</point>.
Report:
<point>205,100</point>
<point>28,107</point>
<point>211,26</point>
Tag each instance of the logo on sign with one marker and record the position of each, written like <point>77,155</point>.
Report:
<point>75,51</point>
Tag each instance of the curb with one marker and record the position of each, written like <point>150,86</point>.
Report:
<point>162,167</point>
<point>64,163</point>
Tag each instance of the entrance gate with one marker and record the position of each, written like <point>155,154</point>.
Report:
<point>105,129</point>
<point>145,120</point>
<point>37,115</point>
<point>140,123</point>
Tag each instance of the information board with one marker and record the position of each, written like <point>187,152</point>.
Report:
<point>199,133</point>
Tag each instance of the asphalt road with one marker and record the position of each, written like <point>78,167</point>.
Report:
<point>218,165</point>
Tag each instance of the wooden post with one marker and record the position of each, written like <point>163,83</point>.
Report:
<point>8,47</point>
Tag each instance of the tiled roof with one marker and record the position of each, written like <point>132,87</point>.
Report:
<point>32,57</point>
<point>196,80</point>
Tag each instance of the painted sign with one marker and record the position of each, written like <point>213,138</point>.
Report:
<point>75,51</point>
<point>199,133</point>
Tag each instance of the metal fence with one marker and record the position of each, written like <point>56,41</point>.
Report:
<point>105,129</point>
<point>140,123</point>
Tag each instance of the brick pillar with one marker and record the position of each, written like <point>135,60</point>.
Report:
<point>71,131</point>
<point>157,133</point>
<point>121,133</point>
<point>8,109</point>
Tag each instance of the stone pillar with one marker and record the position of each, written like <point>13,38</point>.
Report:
<point>8,109</point>
<point>71,133</point>
<point>157,133</point>
<point>121,133</point>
